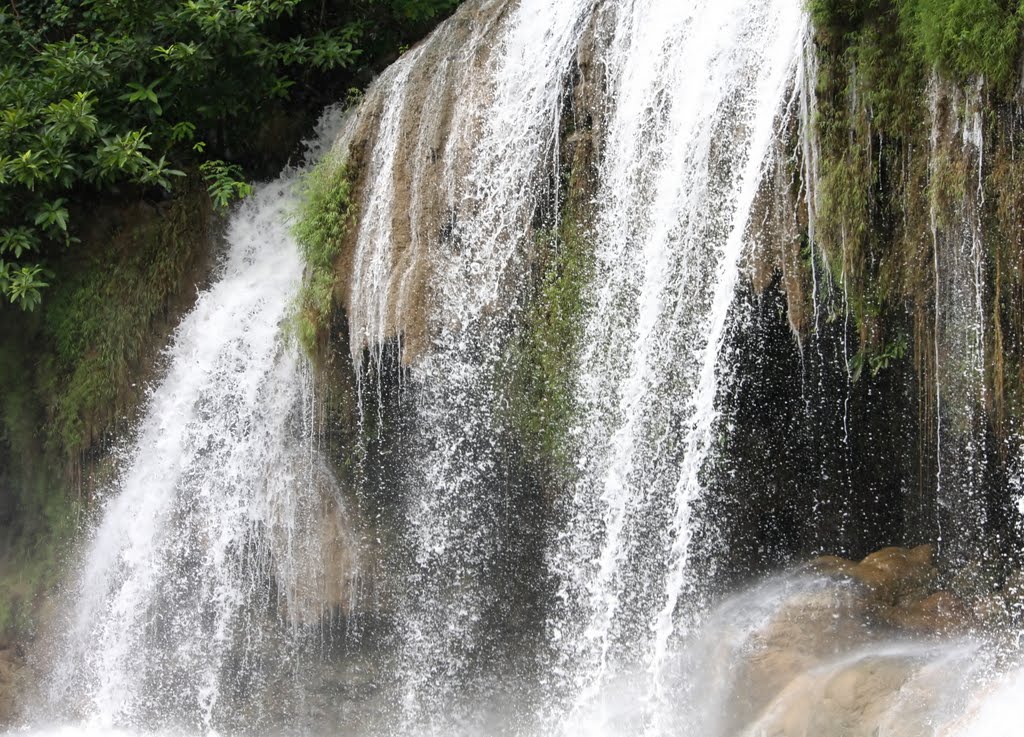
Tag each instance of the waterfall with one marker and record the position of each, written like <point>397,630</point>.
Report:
<point>693,101</point>
<point>522,599</point>
<point>223,516</point>
<point>696,96</point>
<point>485,159</point>
<point>959,263</point>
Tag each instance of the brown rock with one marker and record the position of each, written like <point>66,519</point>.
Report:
<point>896,575</point>
<point>854,697</point>
<point>833,565</point>
<point>941,613</point>
<point>811,628</point>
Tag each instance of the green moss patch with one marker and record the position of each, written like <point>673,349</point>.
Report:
<point>323,221</point>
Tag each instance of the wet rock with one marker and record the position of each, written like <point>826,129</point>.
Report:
<point>884,691</point>
<point>12,678</point>
<point>893,575</point>
<point>812,625</point>
<point>941,613</point>
<point>833,565</point>
<point>898,575</point>
<point>792,678</point>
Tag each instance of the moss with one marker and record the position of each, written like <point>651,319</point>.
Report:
<point>110,315</point>
<point>966,38</point>
<point>39,513</point>
<point>34,564</point>
<point>324,217</point>
<point>871,129</point>
<point>898,82</point>
<point>544,357</point>
<point>962,38</point>
<point>74,374</point>
<point>541,362</point>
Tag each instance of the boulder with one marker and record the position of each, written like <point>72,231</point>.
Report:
<point>893,575</point>
<point>817,666</point>
<point>941,613</point>
<point>891,691</point>
<point>811,626</point>
<point>897,575</point>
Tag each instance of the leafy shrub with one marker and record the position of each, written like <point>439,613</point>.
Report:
<point>103,96</point>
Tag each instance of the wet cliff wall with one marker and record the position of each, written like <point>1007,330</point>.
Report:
<point>871,392</point>
<point>894,233</point>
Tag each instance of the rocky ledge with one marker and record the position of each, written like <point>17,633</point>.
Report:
<point>839,648</point>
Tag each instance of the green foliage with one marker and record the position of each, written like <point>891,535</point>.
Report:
<point>966,37</point>
<point>882,177</point>
<point>423,10</point>
<point>879,361</point>
<point>834,19</point>
<point>101,316</point>
<point>323,221</point>
<point>104,96</point>
<point>224,182</point>
<point>22,284</point>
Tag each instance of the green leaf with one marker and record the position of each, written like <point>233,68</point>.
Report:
<point>17,241</point>
<point>23,286</point>
<point>53,216</point>
<point>144,94</point>
<point>224,183</point>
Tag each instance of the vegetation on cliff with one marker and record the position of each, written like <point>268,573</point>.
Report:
<point>909,168</point>
<point>323,220</point>
<point>123,98</point>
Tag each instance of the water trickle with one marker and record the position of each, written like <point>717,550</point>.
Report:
<point>959,263</point>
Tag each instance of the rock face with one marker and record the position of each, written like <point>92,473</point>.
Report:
<point>12,682</point>
<point>416,131</point>
<point>844,648</point>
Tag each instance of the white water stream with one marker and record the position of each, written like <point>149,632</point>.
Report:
<point>218,516</point>
<point>698,88</point>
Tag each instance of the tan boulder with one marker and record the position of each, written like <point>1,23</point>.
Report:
<point>893,575</point>
<point>833,565</point>
<point>941,613</point>
<point>811,627</point>
<point>891,691</point>
<point>896,575</point>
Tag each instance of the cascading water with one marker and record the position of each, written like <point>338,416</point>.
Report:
<point>207,567</point>
<point>959,265</point>
<point>226,548</point>
<point>486,165</point>
<point>696,95</point>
